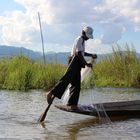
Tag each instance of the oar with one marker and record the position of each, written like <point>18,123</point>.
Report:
<point>44,114</point>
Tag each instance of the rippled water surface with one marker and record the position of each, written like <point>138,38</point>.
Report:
<point>19,113</point>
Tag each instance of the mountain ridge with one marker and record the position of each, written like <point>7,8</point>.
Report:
<point>10,51</point>
<point>60,57</point>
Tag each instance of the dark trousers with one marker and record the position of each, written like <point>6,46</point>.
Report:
<point>73,77</point>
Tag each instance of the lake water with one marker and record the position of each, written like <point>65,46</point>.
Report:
<point>19,112</point>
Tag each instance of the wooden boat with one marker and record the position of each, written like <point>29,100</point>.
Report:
<point>111,109</point>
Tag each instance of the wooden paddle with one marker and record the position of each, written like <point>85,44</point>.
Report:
<point>44,114</point>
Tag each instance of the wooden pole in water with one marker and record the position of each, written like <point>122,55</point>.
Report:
<point>41,38</point>
<point>44,114</point>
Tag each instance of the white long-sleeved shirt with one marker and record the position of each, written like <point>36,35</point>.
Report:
<point>78,46</point>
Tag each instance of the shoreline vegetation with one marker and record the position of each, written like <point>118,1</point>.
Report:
<point>120,69</point>
<point>22,73</point>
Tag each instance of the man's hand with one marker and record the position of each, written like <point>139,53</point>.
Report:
<point>89,65</point>
<point>94,56</point>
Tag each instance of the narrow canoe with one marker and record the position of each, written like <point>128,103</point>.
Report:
<point>122,108</point>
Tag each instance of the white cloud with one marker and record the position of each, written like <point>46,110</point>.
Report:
<point>121,12</point>
<point>112,33</point>
<point>63,20</point>
<point>94,45</point>
<point>16,28</point>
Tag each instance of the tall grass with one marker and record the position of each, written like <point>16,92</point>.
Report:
<point>121,69</point>
<point>3,72</point>
<point>21,73</point>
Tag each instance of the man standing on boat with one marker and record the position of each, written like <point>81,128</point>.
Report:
<point>73,72</point>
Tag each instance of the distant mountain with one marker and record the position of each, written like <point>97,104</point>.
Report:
<point>61,57</point>
<point>9,51</point>
<point>138,55</point>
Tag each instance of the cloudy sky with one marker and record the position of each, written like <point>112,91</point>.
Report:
<point>114,21</point>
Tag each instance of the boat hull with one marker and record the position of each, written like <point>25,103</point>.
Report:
<point>111,109</point>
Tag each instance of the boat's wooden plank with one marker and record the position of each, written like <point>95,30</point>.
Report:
<point>82,109</point>
<point>121,105</point>
<point>127,108</point>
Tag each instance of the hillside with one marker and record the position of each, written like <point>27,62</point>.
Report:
<point>61,57</point>
<point>10,51</point>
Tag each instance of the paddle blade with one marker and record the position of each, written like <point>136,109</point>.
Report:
<point>44,114</point>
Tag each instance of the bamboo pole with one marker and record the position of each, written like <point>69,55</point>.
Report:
<point>41,38</point>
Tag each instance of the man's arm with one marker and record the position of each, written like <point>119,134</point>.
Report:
<point>79,54</point>
<point>90,55</point>
<point>87,54</point>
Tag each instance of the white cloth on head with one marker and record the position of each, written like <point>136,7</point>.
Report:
<point>79,46</point>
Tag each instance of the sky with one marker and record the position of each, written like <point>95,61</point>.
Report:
<point>114,22</point>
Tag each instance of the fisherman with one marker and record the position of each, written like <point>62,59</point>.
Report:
<point>72,75</point>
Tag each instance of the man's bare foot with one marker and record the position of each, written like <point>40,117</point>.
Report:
<point>73,107</point>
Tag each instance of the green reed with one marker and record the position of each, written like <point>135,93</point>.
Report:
<point>121,69</point>
<point>22,73</point>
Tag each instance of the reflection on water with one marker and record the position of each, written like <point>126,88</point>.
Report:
<point>19,113</point>
<point>75,128</point>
